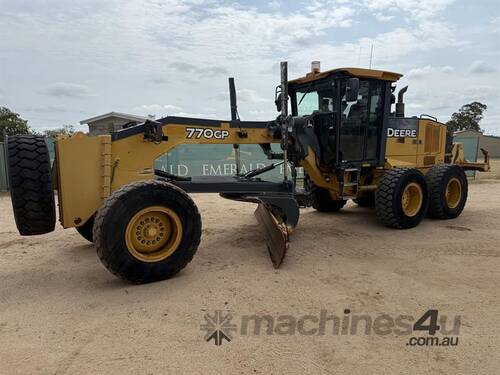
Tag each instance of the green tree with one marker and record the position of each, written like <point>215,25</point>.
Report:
<point>11,123</point>
<point>468,117</point>
<point>64,130</point>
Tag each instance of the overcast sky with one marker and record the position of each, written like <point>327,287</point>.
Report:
<point>63,61</point>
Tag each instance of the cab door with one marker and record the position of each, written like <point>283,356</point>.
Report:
<point>361,123</point>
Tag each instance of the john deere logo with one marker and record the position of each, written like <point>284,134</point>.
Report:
<point>218,327</point>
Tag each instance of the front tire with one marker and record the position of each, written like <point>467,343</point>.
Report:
<point>321,199</point>
<point>402,198</point>
<point>147,231</point>
<point>448,188</point>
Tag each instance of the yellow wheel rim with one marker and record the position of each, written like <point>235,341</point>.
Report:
<point>153,234</point>
<point>412,199</point>
<point>453,192</point>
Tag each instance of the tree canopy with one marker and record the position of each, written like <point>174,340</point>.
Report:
<point>64,130</point>
<point>11,123</point>
<point>468,117</point>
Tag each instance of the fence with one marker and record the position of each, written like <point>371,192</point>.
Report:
<point>216,160</point>
<point>4,182</point>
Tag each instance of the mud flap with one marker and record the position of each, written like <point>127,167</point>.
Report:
<point>278,216</point>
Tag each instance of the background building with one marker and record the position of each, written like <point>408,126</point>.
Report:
<point>473,141</point>
<point>110,122</point>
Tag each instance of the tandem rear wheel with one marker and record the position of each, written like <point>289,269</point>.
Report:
<point>402,198</point>
<point>448,189</point>
<point>147,231</point>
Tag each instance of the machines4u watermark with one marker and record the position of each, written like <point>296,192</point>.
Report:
<point>429,329</point>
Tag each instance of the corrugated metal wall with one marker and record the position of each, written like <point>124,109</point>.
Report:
<point>471,150</point>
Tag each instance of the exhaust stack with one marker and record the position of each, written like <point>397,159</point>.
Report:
<point>400,105</point>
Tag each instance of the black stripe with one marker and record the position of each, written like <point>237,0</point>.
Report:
<point>139,128</point>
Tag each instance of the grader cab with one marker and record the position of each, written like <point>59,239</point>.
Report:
<point>337,125</point>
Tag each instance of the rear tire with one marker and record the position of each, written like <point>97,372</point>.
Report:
<point>402,198</point>
<point>30,183</point>
<point>448,189</point>
<point>147,231</point>
<point>86,230</point>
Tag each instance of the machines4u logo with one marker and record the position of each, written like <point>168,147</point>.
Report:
<point>430,329</point>
<point>218,327</point>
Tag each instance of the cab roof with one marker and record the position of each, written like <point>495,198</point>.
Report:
<point>356,72</point>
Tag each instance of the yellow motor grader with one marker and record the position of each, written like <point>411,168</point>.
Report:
<point>338,125</point>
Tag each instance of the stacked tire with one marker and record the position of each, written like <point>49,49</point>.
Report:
<point>448,188</point>
<point>30,180</point>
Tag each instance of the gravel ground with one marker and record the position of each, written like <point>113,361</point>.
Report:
<point>61,312</point>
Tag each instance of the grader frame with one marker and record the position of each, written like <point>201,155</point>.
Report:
<point>349,144</point>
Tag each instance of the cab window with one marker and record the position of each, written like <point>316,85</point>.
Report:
<point>315,98</point>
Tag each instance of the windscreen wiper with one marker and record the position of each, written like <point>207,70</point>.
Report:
<point>305,93</point>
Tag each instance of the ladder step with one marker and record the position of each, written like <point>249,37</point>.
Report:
<point>349,197</point>
<point>351,170</point>
<point>351,184</point>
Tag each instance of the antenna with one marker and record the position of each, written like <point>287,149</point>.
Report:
<point>371,56</point>
<point>284,117</point>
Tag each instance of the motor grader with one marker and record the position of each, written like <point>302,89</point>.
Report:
<point>339,126</point>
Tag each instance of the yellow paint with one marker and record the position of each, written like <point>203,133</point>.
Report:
<point>135,157</point>
<point>418,152</point>
<point>83,176</point>
<point>91,168</point>
<point>411,199</point>
<point>453,192</point>
<point>153,234</point>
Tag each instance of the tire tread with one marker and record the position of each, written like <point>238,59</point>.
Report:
<point>118,265</point>
<point>435,179</point>
<point>30,182</point>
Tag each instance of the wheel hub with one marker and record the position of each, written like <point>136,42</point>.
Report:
<point>412,199</point>
<point>453,193</point>
<point>153,234</point>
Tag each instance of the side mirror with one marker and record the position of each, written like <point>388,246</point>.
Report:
<point>352,90</point>
<point>277,101</point>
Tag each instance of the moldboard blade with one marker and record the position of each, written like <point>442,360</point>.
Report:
<point>276,232</point>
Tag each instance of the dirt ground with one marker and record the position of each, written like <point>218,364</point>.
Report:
<point>62,312</point>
